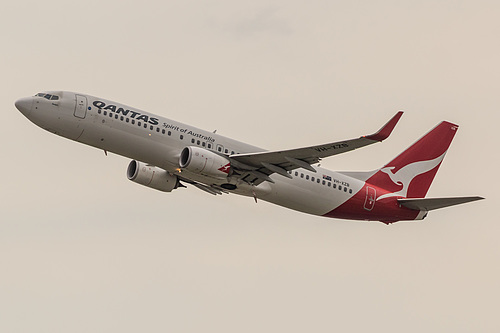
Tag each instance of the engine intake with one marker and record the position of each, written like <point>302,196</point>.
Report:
<point>204,162</point>
<point>151,176</point>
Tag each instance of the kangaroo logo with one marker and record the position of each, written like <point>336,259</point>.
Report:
<point>225,168</point>
<point>405,175</point>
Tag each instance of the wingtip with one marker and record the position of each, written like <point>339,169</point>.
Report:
<point>387,129</point>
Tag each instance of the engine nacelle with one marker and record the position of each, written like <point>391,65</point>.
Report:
<point>151,176</point>
<point>204,162</point>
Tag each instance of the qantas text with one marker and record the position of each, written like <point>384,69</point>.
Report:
<point>127,113</point>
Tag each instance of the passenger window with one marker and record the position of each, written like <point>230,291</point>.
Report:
<point>99,111</point>
<point>133,121</point>
<point>334,185</point>
<point>296,173</point>
<point>232,152</point>
<point>198,142</point>
<point>121,118</point>
<point>126,120</point>
<point>203,144</point>
<point>116,116</point>
<point>350,191</point>
<point>209,145</point>
<point>219,149</point>
<point>301,175</point>
<point>157,130</point>
<point>312,178</point>
<point>192,140</point>
<point>105,113</point>
<point>169,133</point>
<point>182,137</point>
<point>145,125</point>
<point>226,151</point>
<point>162,131</point>
<point>345,189</point>
<point>110,115</point>
<point>323,182</point>
<point>138,123</point>
<point>329,184</point>
<point>318,180</point>
<point>340,188</point>
<point>307,177</point>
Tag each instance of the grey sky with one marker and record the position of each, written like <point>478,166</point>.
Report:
<point>83,249</point>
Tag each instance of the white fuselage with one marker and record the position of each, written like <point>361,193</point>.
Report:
<point>158,141</point>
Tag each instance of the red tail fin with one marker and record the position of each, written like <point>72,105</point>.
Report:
<point>411,173</point>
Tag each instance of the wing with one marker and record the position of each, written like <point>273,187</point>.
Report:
<point>255,168</point>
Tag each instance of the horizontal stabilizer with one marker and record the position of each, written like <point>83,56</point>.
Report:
<point>435,203</point>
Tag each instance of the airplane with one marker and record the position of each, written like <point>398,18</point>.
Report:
<point>168,155</point>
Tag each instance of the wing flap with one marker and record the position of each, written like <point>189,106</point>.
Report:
<point>435,203</point>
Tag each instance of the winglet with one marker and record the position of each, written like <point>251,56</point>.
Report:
<point>386,130</point>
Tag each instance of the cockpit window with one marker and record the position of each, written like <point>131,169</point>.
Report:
<point>48,96</point>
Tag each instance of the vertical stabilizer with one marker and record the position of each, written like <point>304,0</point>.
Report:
<point>411,173</point>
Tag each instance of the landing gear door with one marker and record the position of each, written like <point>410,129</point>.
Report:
<point>81,106</point>
<point>371,196</point>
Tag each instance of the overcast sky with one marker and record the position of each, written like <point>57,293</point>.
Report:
<point>82,249</point>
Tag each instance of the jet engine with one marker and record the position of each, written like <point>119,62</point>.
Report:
<point>151,176</point>
<point>204,162</point>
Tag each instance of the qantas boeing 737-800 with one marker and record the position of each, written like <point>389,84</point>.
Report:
<point>167,154</point>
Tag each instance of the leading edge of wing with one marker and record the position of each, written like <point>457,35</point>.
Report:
<point>313,154</point>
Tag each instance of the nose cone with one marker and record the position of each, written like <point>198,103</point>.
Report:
<point>25,105</point>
